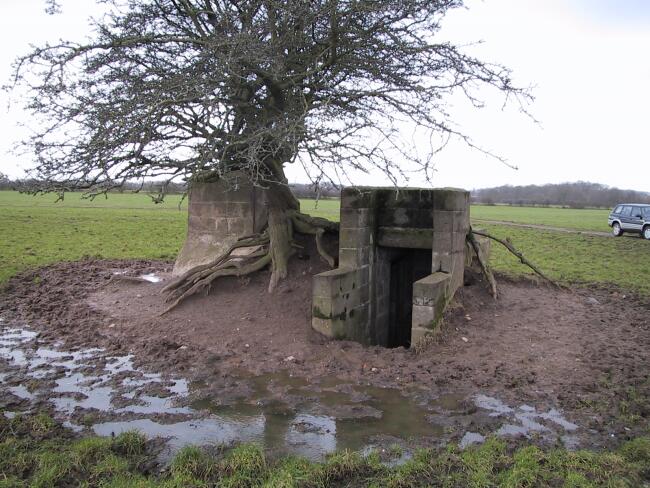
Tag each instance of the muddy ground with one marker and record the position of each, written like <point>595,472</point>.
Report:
<point>585,352</point>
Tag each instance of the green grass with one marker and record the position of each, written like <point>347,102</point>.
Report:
<point>577,219</point>
<point>35,231</point>
<point>327,209</point>
<point>29,458</point>
<point>576,258</point>
<point>569,218</point>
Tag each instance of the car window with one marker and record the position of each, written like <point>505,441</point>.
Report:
<point>626,211</point>
<point>636,211</point>
<point>617,209</point>
<point>646,212</point>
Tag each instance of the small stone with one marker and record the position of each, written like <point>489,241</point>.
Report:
<point>374,370</point>
<point>182,348</point>
<point>467,317</point>
<point>289,359</point>
<point>465,339</point>
<point>110,326</point>
<point>138,296</point>
<point>246,345</point>
<point>591,301</point>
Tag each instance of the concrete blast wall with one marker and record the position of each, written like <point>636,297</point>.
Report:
<point>219,213</point>
<point>402,256</point>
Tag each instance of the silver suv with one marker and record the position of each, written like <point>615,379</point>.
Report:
<point>630,217</point>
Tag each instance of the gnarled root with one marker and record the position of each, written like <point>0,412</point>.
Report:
<point>485,267</point>
<point>249,254</point>
<point>508,245</point>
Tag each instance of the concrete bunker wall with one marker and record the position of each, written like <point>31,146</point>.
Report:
<point>219,213</point>
<point>396,246</point>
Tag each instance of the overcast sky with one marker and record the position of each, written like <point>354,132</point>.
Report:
<point>588,61</point>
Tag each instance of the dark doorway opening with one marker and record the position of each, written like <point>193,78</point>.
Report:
<point>406,267</point>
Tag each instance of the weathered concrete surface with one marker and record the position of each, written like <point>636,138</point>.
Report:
<point>219,213</point>
<point>383,234</point>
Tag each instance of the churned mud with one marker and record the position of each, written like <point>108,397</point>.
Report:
<point>87,340</point>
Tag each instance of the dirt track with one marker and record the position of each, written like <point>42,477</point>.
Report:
<point>586,352</point>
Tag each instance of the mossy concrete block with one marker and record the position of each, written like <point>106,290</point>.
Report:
<point>423,316</point>
<point>354,257</point>
<point>358,197</point>
<point>321,307</point>
<point>450,199</point>
<point>416,217</point>
<point>333,329</point>
<point>429,289</point>
<point>355,218</point>
<point>330,283</point>
<point>451,220</point>
<point>408,238</point>
<point>354,237</point>
<point>404,197</point>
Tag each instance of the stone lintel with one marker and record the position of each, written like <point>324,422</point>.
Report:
<point>405,237</point>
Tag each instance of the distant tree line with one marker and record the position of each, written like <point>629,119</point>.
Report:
<point>144,187</point>
<point>575,195</point>
<point>300,190</point>
<point>324,190</point>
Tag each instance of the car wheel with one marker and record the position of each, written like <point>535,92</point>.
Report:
<point>646,232</point>
<point>616,229</point>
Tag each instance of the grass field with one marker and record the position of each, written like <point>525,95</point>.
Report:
<point>578,219</point>
<point>576,258</point>
<point>35,231</point>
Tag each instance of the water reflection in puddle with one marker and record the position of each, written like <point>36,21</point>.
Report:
<point>286,414</point>
<point>151,278</point>
<point>325,420</point>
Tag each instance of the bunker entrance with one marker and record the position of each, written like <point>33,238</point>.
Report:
<point>402,256</point>
<point>406,266</point>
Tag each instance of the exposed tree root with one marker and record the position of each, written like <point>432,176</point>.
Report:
<point>485,267</point>
<point>508,245</point>
<point>274,247</point>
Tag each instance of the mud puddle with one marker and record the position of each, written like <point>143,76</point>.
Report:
<point>92,391</point>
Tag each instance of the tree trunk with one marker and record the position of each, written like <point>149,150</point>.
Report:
<point>280,238</point>
<point>272,247</point>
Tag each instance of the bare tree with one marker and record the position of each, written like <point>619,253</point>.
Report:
<point>201,88</point>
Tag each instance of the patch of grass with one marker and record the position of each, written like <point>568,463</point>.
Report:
<point>192,463</point>
<point>130,443</point>
<point>326,208</point>
<point>88,451</point>
<point>568,218</point>
<point>575,258</point>
<point>28,460</point>
<point>36,232</point>
<point>42,424</point>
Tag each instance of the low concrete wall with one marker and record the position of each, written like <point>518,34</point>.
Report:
<point>219,213</point>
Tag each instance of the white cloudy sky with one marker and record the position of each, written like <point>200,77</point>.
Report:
<point>587,59</point>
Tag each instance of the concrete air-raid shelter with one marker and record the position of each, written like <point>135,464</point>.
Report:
<point>401,258</point>
<point>402,254</point>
